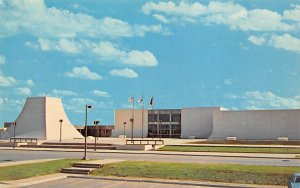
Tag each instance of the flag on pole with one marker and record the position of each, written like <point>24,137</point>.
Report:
<point>151,101</point>
<point>131,99</point>
<point>140,100</point>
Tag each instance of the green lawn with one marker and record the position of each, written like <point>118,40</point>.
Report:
<point>267,175</point>
<point>230,149</point>
<point>36,169</point>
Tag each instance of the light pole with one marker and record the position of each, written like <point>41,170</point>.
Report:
<point>131,120</point>
<point>132,116</point>
<point>95,123</point>
<point>85,135</point>
<point>60,133</point>
<point>124,123</point>
<point>14,124</point>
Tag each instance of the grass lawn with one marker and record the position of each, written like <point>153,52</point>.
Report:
<point>248,142</point>
<point>36,169</point>
<point>267,175</point>
<point>230,149</point>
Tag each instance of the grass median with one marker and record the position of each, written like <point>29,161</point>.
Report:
<point>34,169</point>
<point>265,175</point>
<point>232,149</point>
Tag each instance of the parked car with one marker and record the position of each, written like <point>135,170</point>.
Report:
<point>294,181</point>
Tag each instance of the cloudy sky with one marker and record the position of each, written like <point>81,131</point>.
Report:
<point>236,54</point>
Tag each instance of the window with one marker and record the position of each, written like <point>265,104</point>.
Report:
<point>297,180</point>
<point>164,127</point>
<point>152,117</point>
<point>164,117</point>
<point>176,118</point>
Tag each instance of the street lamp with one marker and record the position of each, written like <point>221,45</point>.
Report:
<point>14,124</point>
<point>60,121</point>
<point>131,120</point>
<point>85,135</point>
<point>95,123</point>
<point>124,123</point>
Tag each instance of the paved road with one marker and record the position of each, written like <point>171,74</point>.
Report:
<point>18,155</point>
<point>95,182</point>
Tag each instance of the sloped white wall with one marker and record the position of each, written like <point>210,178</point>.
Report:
<point>55,112</point>
<point>39,119</point>
<point>197,122</point>
<point>31,121</point>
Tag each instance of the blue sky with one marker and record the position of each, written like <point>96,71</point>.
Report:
<point>235,54</point>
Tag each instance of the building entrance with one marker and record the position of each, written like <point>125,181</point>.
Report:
<point>164,123</point>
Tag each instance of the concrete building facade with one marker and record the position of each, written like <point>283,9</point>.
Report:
<point>256,124</point>
<point>124,115</point>
<point>211,123</point>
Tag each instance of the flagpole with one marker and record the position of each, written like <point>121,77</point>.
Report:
<point>132,119</point>
<point>143,119</point>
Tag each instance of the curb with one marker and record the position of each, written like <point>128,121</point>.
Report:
<point>158,153</point>
<point>174,182</point>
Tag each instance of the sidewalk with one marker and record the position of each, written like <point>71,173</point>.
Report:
<point>13,163</point>
<point>212,154</point>
<point>59,176</point>
<point>176,182</point>
<point>32,180</point>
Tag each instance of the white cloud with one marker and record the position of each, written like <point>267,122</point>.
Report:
<point>23,91</point>
<point>108,50</point>
<point>182,9</point>
<point>263,20</point>
<point>36,19</point>
<point>83,73</point>
<point>104,50</point>
<point>100,93</point>
<point>293,14</point>
<point>286,42</point>
<point>161,18</point>
<point>129,73</point>
<point>2,59</point>
<point>139,58</point>
<point>225,13</point>
<point>10,104</point>
<point>257,40</point>
<point>231,96</point>
<point>77,104</point>
<point>7,81</point>
<point>266,100</point>
<point>227,82</point>
<point>69,46</point>
<point>57,92</point>
<point>30,82</point>
<point>64,45</point>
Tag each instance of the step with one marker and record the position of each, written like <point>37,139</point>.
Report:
<point>72,143</point>
<point>74,170</point>
<point>87,165</point>
<point>70,147</point>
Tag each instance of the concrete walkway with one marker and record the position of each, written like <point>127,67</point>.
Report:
<point>219,154</point>
<point>13,163</point>
<point>60,176</point>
